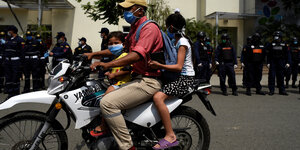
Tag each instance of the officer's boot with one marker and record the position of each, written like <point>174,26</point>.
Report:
<point>225,93</point>
<point>283,93</point>
<point>248,92</point>
<point>294,84</point>
<point>234,92</point>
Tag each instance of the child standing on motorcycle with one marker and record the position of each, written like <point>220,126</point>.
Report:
<point>179,87</point>
<point>118,75</point>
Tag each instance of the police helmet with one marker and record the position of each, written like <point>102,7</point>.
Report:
<point>28,33</point>
<point>201,35</point>
<point>59,35</point>
<point>278,33</point>
<point>295,39</point>
<point>256,37</point>
<point>207,39</point>
<point>82,39</point>
<point>38,36</point>
<point>225,36</point>
<point>2,34</point>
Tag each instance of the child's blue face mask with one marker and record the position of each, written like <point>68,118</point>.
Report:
<point>170,35</point>
<point>116,49</point>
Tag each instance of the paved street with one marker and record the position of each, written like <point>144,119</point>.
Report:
<point>242,122</point>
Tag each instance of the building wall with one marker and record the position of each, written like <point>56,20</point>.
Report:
<point>33,17</point>
<point>83,26</point>
<point>188,8</point>
<point>222,6</point>
<point>8,19</point>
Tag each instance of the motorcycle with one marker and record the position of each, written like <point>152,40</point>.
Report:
<point>71,90</point>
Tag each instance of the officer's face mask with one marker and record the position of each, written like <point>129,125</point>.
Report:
<point>276,38</point>
<point>224,41</point>
<point>116,49</point>
<point>29,37</point>
<point>39,40</point>
<point>129,16</point>
<point>60,41</point>
<point>2,41</point>
<point>8,33</point>
<point>208,43</point>
<point>295,42</point>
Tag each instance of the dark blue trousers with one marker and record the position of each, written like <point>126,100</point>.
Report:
<point>227,69</point>
<point>31,67</point>
<point>292,71</point>
<point>276,70</point>
<point>1,74</point>
<point>204,72</point>
<point>12,77</point>
<point>254,75</point>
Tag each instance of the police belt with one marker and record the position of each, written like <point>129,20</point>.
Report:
<point>59,59</point>
<point>12,58</point>
<point>32,57</point>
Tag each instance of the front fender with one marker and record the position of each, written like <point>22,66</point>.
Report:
<point>41,97</point>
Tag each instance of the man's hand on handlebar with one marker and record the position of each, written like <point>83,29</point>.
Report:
<point>95,65</point>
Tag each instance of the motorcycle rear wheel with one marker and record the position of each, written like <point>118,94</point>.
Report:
<point>17,131</point>
<point>191,129</point>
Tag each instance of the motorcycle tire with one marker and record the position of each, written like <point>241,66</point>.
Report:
<point>186,138</point>
<point>19,136</point>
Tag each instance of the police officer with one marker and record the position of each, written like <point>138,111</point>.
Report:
<point>82,47</point>
<point>254,55</point>
<point>31,62</point>
<point>2,42</point>
<point>203,59</point>
<point>104,45</point>
<point>209,52</point>
<point>249,38</point>
<point>278,59</point>
<point>225,57</point>
<point>13,53</point>
<point>61,50</point>
<point>293,70</point>
<point>44,59</point>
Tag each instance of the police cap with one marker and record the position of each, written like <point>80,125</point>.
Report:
<point>59,35</point>
<point>104,30</point>
<point>82,39</point>
<point>12,28</point>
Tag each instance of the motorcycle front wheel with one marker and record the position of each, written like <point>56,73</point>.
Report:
<point>18,131</point>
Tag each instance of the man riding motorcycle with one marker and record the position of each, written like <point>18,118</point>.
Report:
<point>145,80</point>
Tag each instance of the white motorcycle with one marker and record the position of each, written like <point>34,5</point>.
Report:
<point>70,89</point>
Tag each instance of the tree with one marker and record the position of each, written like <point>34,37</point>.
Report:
<point>108,11</point>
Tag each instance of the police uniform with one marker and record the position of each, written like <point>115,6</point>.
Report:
<point>225,55</point>
<point>44,59</point>
<point>278,56</point>
<point>13,53</point>
<point>249,38</point>
<point>254,56</point>
<point>81,49</point>
<point>202,53</point>
<point>294,69</point>
<point>31,63</point>
<point>2,42</point>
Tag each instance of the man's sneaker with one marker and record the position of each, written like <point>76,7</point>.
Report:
<point>260,93</point>
<point>225,93</point>
<point>234,93</point>
<point>283,93</point>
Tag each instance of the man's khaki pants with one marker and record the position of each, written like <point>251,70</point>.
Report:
<point>128,96</point>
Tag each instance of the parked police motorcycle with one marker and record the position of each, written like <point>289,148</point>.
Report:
<point>71,90</point>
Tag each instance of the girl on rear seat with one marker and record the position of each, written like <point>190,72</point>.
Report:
<point>179,87</point>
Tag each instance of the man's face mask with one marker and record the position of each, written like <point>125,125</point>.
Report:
<point>129,16</point>
<point>116,49</point>
<point>295,42</point>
